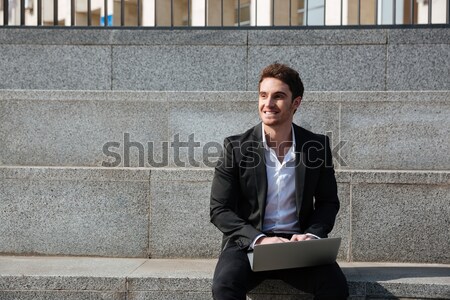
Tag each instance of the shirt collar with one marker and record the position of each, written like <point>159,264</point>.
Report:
<point>267,146</point>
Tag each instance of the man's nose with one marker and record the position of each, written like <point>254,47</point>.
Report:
<point>270,102</point>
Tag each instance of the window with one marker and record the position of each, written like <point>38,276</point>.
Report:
<point>244,13</point>
<point>315,13</point>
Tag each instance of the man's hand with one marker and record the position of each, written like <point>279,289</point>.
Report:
<point>301,237</point>
<point>270,240</point>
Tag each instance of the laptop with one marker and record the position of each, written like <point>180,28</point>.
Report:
<point>294,254</point>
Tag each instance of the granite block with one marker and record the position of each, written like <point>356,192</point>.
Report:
<point>173,68</point>
<point>55,67</point>
<point>318,37</point>
<point>179,221</point>
<point>400,222</point>
<point>74,173</point>
<point>343,222</point>
<point>173,275</point>
<point>419,36</point>
<point>204,126</point>
<point>428,97</point>
<point>66,295</point>
<point>194,123</point>
<point>81,133</point>
<point>55,36</point>
<point>192,97</point>
<point>74,216</point>
<point>411,291</point>
<point>396,135</point>
<point>179,37</point>
<point>401,177</point>
<point>60,95</point>
<point>164,295</point>
<point>325,68</point>
<point>418,67</point>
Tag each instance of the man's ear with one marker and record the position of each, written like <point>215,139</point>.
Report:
<point>296,102</point>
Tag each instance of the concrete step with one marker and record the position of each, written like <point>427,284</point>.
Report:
<point>218,60</point>
<point>385,216</point>
<point>26,278</point>
<point>369,130</point>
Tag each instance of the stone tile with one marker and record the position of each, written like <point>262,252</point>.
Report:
<point>396,96</point>
<point>74,217</point>
<point>325,68</point>
<point>37,95</point>
<point>54,36</point>
<point>342,225</point>
<point>179,222</point>
<point>411,291</point>
<point>229,118</point>
<point>398,222</point>
<point>172,68</point>
<point>74,133</point>
<point>179,37</point>
<point>165,295</point>
<point>418,67</point>
<point>321,117</point>
<point>401,177</point>
<point>66,295</point>
<point>55,67</point>
<point>208,123</point>
<point>419,36</point>
<point>396,135</point>
<point>173,275</point>
<point>74,173</point>
<point>317,37</point>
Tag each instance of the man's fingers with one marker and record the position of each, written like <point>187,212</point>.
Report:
<point>271,240</point>
<point>300,237</point>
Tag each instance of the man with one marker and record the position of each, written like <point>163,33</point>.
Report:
<point>274,183</point>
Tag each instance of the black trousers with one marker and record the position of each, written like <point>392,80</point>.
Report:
<point>233,277</point>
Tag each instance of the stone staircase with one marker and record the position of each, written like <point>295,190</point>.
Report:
<point>109,138</point>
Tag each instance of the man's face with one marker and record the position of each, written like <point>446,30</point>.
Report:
<point>275,102</point>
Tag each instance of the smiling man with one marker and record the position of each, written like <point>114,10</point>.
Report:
<point>274,183</point>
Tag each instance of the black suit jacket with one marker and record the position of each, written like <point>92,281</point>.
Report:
<point>239,187</point>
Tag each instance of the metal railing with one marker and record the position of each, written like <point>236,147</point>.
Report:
<point>282,13</point>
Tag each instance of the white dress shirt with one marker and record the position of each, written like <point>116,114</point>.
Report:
<point>281,209</point>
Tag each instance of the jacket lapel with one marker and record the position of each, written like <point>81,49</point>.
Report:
<point>301,158</point>
<point>260,173</point>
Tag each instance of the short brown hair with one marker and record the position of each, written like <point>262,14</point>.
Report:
<point>286,74</point>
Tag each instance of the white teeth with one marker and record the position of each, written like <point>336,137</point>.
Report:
<point>269,113</point>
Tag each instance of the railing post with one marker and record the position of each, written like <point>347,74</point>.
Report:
<point>394,12</point>
<point>359,12</point>
<point>72,12</point>
<point>105,15</point>
<point>256,13</point>
<point>55,12</point>
<point>376,12</point>
<point>290,13</point>
<point>273,12</point>
<point>171,13</point>
<point>122,12</point>
<point>239,13</point>
<point>307,12</point>
<point>89,15</point>
<point>39,13</point>
<point>429,11</point>
<point>22,12</point>
<point>139,21</point>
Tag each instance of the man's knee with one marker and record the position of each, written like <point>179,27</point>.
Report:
<point>224,290</point>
